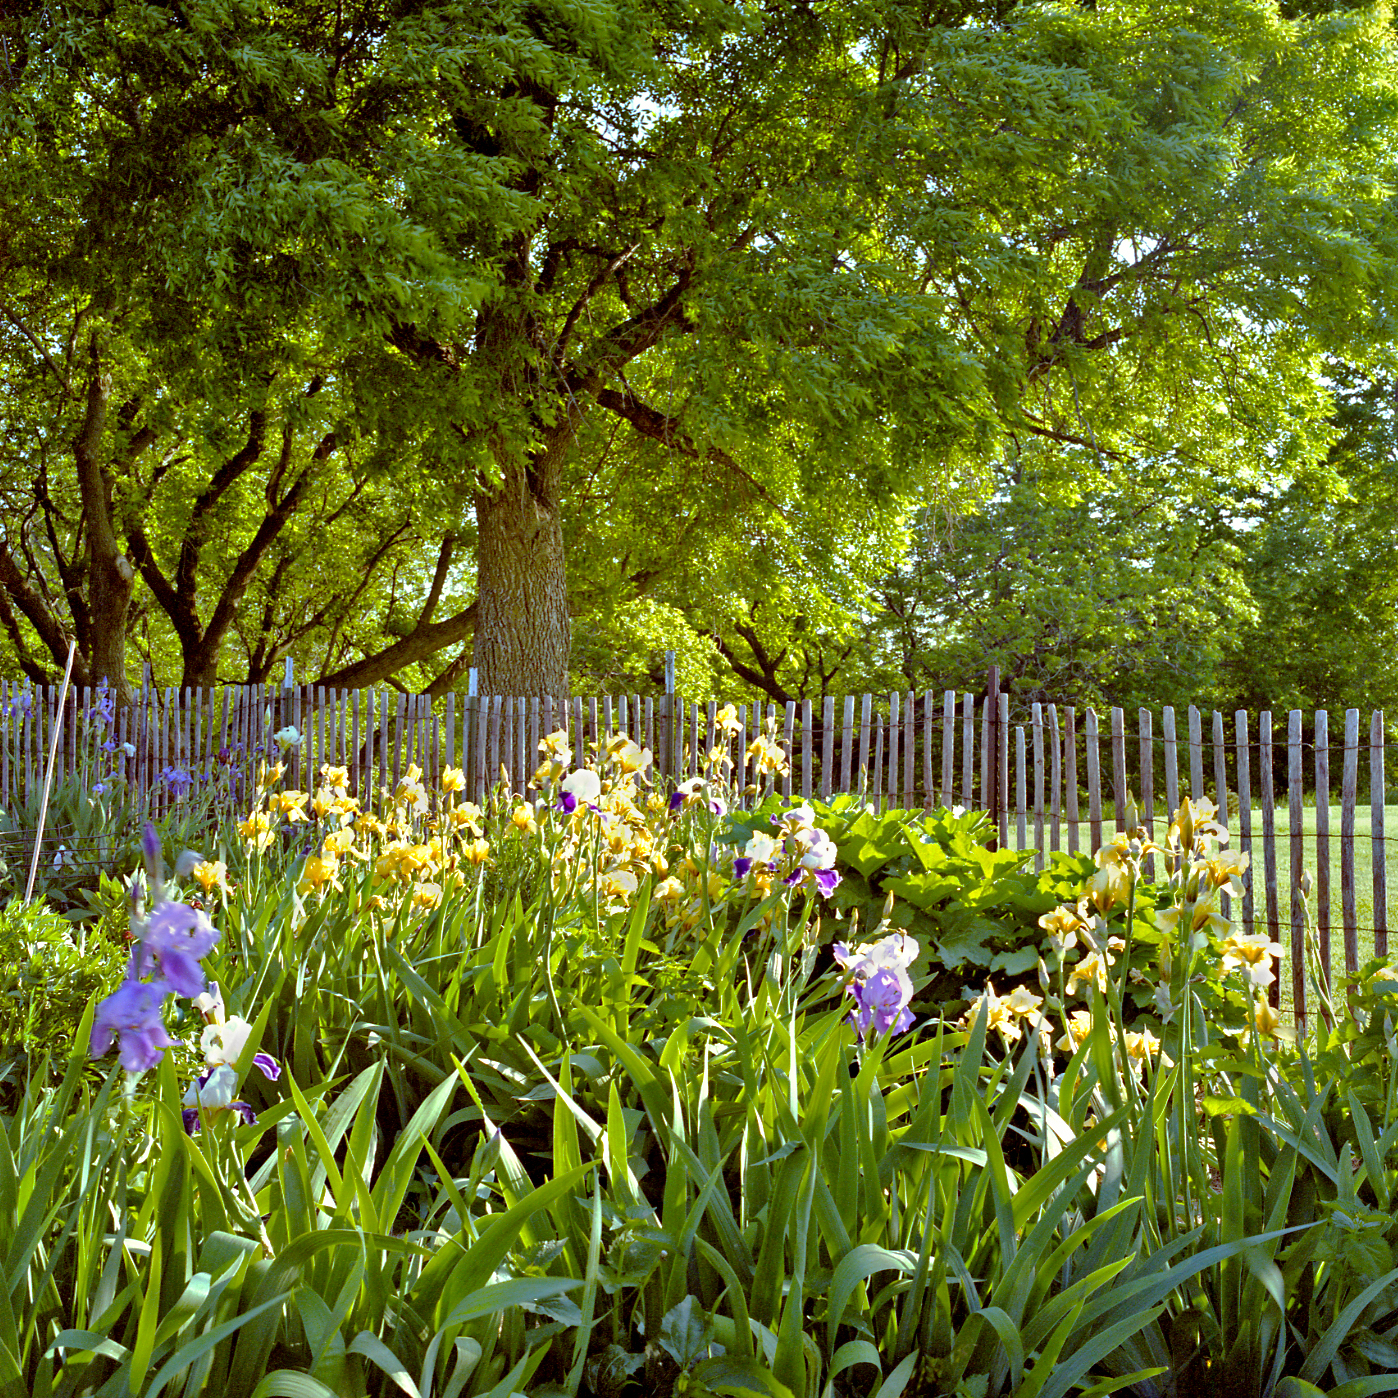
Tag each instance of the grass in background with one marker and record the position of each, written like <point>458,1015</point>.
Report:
<point>1363,880</point>
<point>1363,877</point>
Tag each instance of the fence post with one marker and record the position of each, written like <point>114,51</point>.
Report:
<point>1376,833</point>
<point>1297,870</point>
<point>992,747</point>
<point>669,727</point>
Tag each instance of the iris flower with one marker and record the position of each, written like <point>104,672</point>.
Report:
<point>580,788</point>
<point>177,937</point>
<point>879,984</point>
<point>131,1014</point>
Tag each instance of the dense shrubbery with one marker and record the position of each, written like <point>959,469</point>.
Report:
<point>595,1091</point>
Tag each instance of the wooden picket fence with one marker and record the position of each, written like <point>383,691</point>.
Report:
<point>1049,781</point>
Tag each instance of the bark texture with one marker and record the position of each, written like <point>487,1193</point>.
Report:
<point>522,627</point>
<point>111,579</point>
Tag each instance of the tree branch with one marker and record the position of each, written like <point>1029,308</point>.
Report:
<point>651,422</point>
<point>32,607</point>
<point>439,578</point>
<point>421,642</point>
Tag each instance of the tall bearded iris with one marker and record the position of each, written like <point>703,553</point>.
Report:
<point>131,1014</point>
<point>879,984</point>
<point>177,938</point>
<point>169,946</point>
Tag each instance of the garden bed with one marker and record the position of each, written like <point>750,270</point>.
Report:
<point>600,1091</point>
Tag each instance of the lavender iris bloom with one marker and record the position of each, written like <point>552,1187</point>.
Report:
<point>879,984</point>
<point>176,779</point>
<point>103,706</point>
<point>177,936</point>
<point>132,1015</point>
<point>881,1003</point>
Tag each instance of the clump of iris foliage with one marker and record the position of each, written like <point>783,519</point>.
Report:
<point>606,1090</point>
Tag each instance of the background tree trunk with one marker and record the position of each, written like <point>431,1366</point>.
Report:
<point>111,578</point>
<point>523,630</point>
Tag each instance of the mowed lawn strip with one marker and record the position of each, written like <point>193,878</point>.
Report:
<point>1363,882</point>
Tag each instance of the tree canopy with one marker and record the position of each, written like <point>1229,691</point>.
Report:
<point>417,335</point>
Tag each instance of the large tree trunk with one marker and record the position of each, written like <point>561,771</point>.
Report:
<point>522,630</point>
<point>111,579</point>
<point>111,584</point>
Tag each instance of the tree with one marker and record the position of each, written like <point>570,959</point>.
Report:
<point>1324,633</point>
<point>830,255</point>
<point>478,224</point>
<point>1148,230</point>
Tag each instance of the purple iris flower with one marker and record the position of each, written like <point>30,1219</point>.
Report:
<point>881,1004</point>
<point>177,937</point>
<point>103,707</point>
<point>827,880</point>
<point>271,1069</point>
<point>150,841</point>
<point>567,803</point>
<point>131,1013</point>
<point>176,779</point>
<point>741,865</point>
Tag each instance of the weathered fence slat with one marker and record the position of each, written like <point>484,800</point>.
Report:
<point>1322,841</point>
<point>827,748</point>
<point>1094,779</point>
<point>1070,778</point>
<point>865,709</point>
<point>876,790</point>
<point>1172,769</point>
<point>1349,794</point>
<point>1298,911</point>
<point>1119,769</point>
<point>968,752</point>
<point>789,730</point>
<point>987,768</point>
<point>1267,794</point>
<point>909,752</point>
<point>948,749</point>
<point>807,738</point>
<point>893,731</point>
<point>1376,834</point>
<point>1240,720</point>
<point>1002,784</point>
<point>847,743</point>
<point>1021,833</point>
<point>1147,758</point>
<point>1196,754</point>
<point>1038,730</point>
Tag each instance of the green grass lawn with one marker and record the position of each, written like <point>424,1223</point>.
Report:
<point>1363,879</point>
